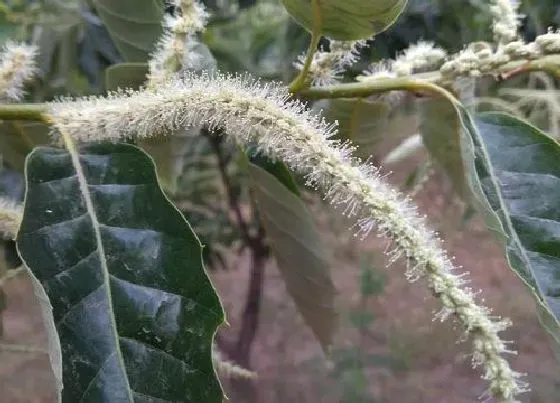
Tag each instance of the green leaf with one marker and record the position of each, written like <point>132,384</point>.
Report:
<point>302,259</point>
<point>134,309</point>
<point>255,41</point>
<point>126,75</point>
<point>514,167</point>
<point>440,128</point>
<point>348,19</point>
<point>134,25</point>
<point>17,139</point>
<point>362,122</point>
<point>277,169</point>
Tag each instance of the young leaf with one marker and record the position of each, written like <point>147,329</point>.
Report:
<point>440,128</point>
<point>301,257</point>
<point>134,25</point>
<point>348,19</point>
<point>134,309</point>
<point>514,167</point>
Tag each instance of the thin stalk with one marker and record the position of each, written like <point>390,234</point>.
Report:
<point>367,88</point>
<point>28,112</point>
<point>301,81</point>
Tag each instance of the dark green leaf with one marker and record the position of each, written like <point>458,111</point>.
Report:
<point>301,257</point>
<point>514,167</point>
<point>133,307</point>
<point>134,25</point>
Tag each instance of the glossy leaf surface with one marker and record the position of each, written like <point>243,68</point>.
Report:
<point>134,309</point>
<point>514,167</point>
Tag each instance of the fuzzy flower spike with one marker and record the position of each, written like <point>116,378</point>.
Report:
<point>265,115</point>
<point>17,66</point>
<point>326,67</point>
<point>177,41</point>
<point>505,20</point>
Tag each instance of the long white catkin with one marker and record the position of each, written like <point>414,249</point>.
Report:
<point>253,113</point>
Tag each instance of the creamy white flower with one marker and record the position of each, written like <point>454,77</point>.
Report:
<point>264,115</point>
<point>10,218</point>
<point>326,67</point>
<point>549,42</point>
<point>505,20</point>
<point>17,66</point>
<point>419,57</point>
<point>178,41</point>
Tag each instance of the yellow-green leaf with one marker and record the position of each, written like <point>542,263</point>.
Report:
<point>348,19</point>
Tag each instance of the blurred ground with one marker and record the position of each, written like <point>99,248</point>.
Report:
<point>412,358</point>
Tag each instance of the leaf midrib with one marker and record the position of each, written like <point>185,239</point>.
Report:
<point>86,195</point>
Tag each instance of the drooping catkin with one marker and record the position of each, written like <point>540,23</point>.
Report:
<point>264,114</point>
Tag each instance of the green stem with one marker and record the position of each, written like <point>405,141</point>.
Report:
<point>367,88</point>
<point>549,64</point>
<point>301,81</point>
<point>29,112</point>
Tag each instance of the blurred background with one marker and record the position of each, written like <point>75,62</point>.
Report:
<point>387,347</point>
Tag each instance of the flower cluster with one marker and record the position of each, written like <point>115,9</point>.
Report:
<point>264,115</point>
<point>174,50</point>
<point>10,218</point>
<point>417,58</point>
<point>17,66</point>
<point>477,59</point>
<point>480,59</point>
<point>326,67</point>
